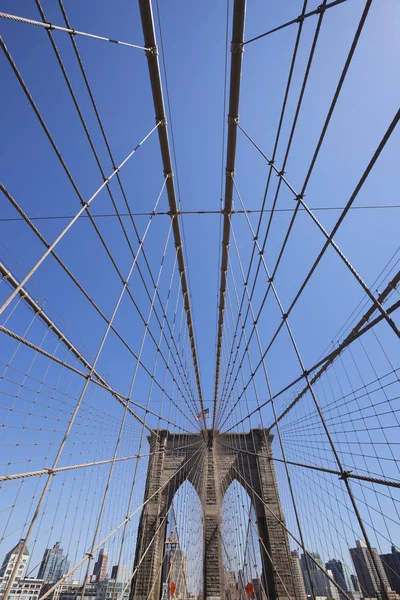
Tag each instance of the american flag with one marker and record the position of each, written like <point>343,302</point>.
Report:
<point>204,414</point>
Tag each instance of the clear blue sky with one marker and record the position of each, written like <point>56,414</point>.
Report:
<point>194,45</point>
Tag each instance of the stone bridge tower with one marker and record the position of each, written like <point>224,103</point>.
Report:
<point>211,465</point>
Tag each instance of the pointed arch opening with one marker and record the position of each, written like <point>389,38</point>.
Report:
<point>184,545</point>
<point>241,554</point>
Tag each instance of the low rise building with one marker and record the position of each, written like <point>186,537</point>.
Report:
<point>26,588</point>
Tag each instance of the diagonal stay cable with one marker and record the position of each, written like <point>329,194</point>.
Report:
<point>6,274</point>
<point>328,359</point>
<point>174,154</point>
<point>310,386</point>
<point>63,164</point>
<point>71,422</point>
<point>330,241</point>
<point>53,27</point>
<point>119,397</point>
<point>363,302</point>
<point>106,490</point>
<point>275,148</point>
<point>116,529</point>
<point>95,154</point>
<point>198,472</point>
<point>239,11</point>
<point>350,474</point>
<point>158,343</point>
<point>257,399</point>
<point>45,471</point>
<point>381,383</point>
<point>159,353</point>
<point>235,286</point>
<point>131,495</point>
<point>317,11</point>
<point>220,211</point>
<point>287,530</point>
<point>85,203</point>
<point>158,100</point>
<point>99,380</point>
<point>299,198</point>
<point>321,137</point>
<point>357,332</point>
<point>366,289</point>
<point>354,334</point>
<point>224,404</point>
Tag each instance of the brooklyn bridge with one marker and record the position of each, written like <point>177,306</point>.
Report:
<point>199,258</point>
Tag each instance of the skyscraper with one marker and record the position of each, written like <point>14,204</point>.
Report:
<point>121,573</point>
<point>367,574</point>
<point>11,558</point>
<point>341,575</point>
<point>100,567</point>
<point>319,583</point>
<point>312,566</point>
<point>54,564</point>
<point>323,586</point>
<point>298,576</point>
<point>391,564</point>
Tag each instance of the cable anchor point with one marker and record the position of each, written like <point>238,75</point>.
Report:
<point>152,51</point>
<point>237,47</point>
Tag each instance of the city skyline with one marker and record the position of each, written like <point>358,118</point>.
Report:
<point>364,577</point>
<point>52,570</point>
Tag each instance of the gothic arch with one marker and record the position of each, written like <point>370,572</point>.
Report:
<point>237,472</point>
<point>242,561</point>
<point>186,499</point>
<point>247,460</point>
<point>173,460</point>
<point>222,459</point>
<point>187,482</point>
<point>187,472</point>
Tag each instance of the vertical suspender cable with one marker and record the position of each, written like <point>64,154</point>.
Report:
<point>147,18</point>
<point>237,46</point>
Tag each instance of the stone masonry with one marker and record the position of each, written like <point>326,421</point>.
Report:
<point>211,462</point>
